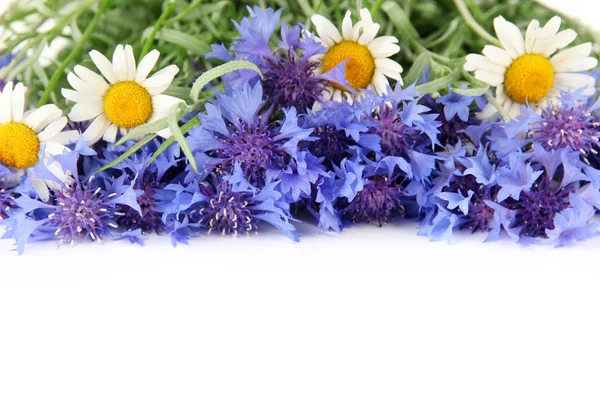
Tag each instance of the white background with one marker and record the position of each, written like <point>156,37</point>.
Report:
<point>371,314</point>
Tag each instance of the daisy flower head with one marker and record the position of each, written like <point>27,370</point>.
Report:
<point>129,99</point>
<point>29,140</point>
<point>528,69</point>
<point>368,65</point>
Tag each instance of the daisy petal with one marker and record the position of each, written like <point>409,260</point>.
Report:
<point>328,33</point>
<point>383,47</point>
<point>98,83</point>
<point>52,130</point>
<point>130,63</point>
<point>347,26</point>
<point>110,135</point>
<point>85,112</point>
<point>104,65</point>
<point>119,63</point>
<point>510,36</point>
<point>497,55</point>
<point>146,65</point>
<point>161,80</point>
<point>6,103</point>
<point>18,102</point>
<point>96,129</point>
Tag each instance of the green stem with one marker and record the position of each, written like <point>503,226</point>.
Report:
<point>470,21</point>
<point>72,55</point>
<point>159,23</point>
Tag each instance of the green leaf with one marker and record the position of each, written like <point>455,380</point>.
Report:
<point>183,40</point>
<point>438,84</point>
<point>151,127</point>
<point>194,122</point>
<point>128,153</point>
<point>173,120</point>
<point>416,71</point>
<point>162,148</point>
<point>400,20</point>
<point>474,92</point>
<point>217,72</point>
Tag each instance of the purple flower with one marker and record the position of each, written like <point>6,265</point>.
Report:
<point>456,105</point>
<point>234,132</point>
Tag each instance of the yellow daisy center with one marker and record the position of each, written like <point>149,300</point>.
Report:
<point>19,145</point>
<point>529,78</point>
<point>127,104</point>
<point>359,67</point>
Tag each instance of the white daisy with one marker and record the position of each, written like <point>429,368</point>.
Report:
<point>28,138</point>
<point>526,70</point>
<point>368,65</point>
<point>129,99</point>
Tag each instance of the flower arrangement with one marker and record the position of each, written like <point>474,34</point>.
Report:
<point>299,111</point>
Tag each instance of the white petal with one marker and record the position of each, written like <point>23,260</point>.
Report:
<point>379,82</point>
<point>130,63</point>
<point>576,65</point>
<point>111,133</point>
<point>565,81</point>
<point>498,55</point>
<point>85,112</point>
<point>347,26</point>
<point>327,32</point>
<point>164,133</point>
<point>531,35</point>
<point>52,130</point>
<point>389,68</point>
<point>42,117</point>
<point>489,112</point>
<point>119,64</point>
<point>561,40</point>
<point>161,80</point>
<point>96,81</point>
<point>510,36</point>
<point>80,97</point>
<point>501,94</point>
<point>80,85</point>
<point>96,129</point>
<point>161,103</point>
<point>369,33</point>
<point>104,66</point>
<point>490,78</point>
<point>65,137</point>
<point>383,47</point>
<point>18,102</point>
<point>40,187</point>
<point>546,35</point>
<point>365,16</point>
<point>337,95</point>
<point>146,65</point>
<point>514,110</point>
<point>576,52</point>
<point>6,103</point>
<point>479,62</point>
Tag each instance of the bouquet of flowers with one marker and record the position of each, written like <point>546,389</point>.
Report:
<point>123,119</point>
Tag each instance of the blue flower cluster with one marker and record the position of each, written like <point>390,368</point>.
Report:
<point>274,151</point>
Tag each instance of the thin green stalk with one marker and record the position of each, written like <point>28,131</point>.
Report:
<point>470,21</point>
<point>159,23</point>
<point>72,55</point>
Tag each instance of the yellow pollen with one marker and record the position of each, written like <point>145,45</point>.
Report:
<point>19,145</point>
<point>529,78</point>
<point>359,67</point>
<point>127,104</point>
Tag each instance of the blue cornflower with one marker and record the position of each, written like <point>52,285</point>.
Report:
<point>233,131</point>
<point>339,133</point>
<point>460,195</point>
<point>289,78</point>
<point>400,121</point>
<point>77,213</point>
<point>540,190</point>
<point>567,123</point>
<point>229,205</point>
<point>456,105</point>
